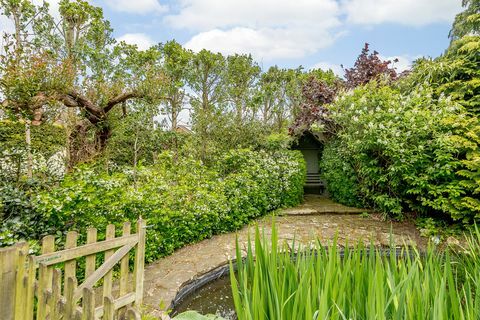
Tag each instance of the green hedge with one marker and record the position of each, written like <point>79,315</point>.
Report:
<point>407,152</point>
<point>336,169</point>
<point>183,201</point>
<point>48,146</point>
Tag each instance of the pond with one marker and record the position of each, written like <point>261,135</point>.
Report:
<point>211,294</point>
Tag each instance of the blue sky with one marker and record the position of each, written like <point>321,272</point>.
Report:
<point>322,33</point>
<point>289,33</point>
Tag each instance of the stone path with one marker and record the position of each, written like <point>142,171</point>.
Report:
<point>318,218</point>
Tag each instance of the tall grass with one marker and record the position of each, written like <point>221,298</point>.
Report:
<point>363,283</point>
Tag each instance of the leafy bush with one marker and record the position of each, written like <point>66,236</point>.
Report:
<point>182,200</point>
<point>339,175</point>
<point>19,217</point>
<point>456,73</point>
<point>408,151</point>
<point>48,150</point>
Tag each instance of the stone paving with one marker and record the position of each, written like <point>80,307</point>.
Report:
<point>317,218</point>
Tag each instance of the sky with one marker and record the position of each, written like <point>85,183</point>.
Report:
<point>288,33</point>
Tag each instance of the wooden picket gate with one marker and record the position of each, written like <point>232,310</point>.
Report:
<point>25,278</point>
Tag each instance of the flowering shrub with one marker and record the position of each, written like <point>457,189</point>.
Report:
<point>48,151</point>
<point>183,201</point>
<point>406,152</point>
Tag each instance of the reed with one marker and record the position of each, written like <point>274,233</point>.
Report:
<point>360,282</point>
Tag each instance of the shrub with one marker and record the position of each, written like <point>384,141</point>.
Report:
<point>48,150</point>
<point>340,178</point>
<point>182,200</point>
<point>409,152</point>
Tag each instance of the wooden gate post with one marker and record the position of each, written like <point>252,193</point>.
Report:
<point>12,264</point>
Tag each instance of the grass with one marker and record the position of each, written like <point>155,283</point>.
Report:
<point>363,283</point>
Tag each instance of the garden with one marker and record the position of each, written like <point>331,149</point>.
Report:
<point>93,134</point>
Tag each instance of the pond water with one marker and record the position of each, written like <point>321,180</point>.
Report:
<point>214,297</point>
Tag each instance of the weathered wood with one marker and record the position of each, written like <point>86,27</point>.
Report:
<point>70,303</point>
<point>88,302</point>
<point>108,308</point>
<point>108,279</point>
<point>104,268</point>
<point>71,265</point>
<point>61,307</point>
<point>88,249</point>
<point>90,260</point>
<point>21,285</point>
<point>42,285</point>
<point>70,273</point>
<point>30,288</point>
<point>8,257</point>
<point>78,315</point>
<point>55,313</point>
<point>132,314</point>
<point>139,262</point>
<point>45,278</point>
<point>118,303</point>
<point>124,264</point>
<point>51,304</point>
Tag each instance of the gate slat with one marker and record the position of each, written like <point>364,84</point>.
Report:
<point>69,301</point>
<point>108,308</point>
<point>124,264</point>
<point>42,287</point>
<point>45,277</point>
<point>21,285</point>
<point>88,304</point>
<point>90,260</point>
<point>30,286</point>
<point>7,282</point>
<point>71,265</point>
<point>139,263</point>
<point>107,280</point>
<point>56,294</point>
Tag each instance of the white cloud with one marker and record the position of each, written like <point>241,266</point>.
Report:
<point>142,40</point>
<point>137,6</point>
<point>268,29</point>
<point>406,12</point>
<point>324,65</point>
<point>209,14</point>
<point>265,43</point>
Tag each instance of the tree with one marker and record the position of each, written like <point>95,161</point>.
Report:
<point>26,67</point>
<point>77,63</point>
<point>468,21</point>
<point>314,114</point>
<point>241,77</point>
<point>368,66</point>
<point>176,64</point>
<point>206,81</point>
<point>279,96</point>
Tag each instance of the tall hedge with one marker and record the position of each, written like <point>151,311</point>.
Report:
<point>182,200</point>
<point>406,152</point>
